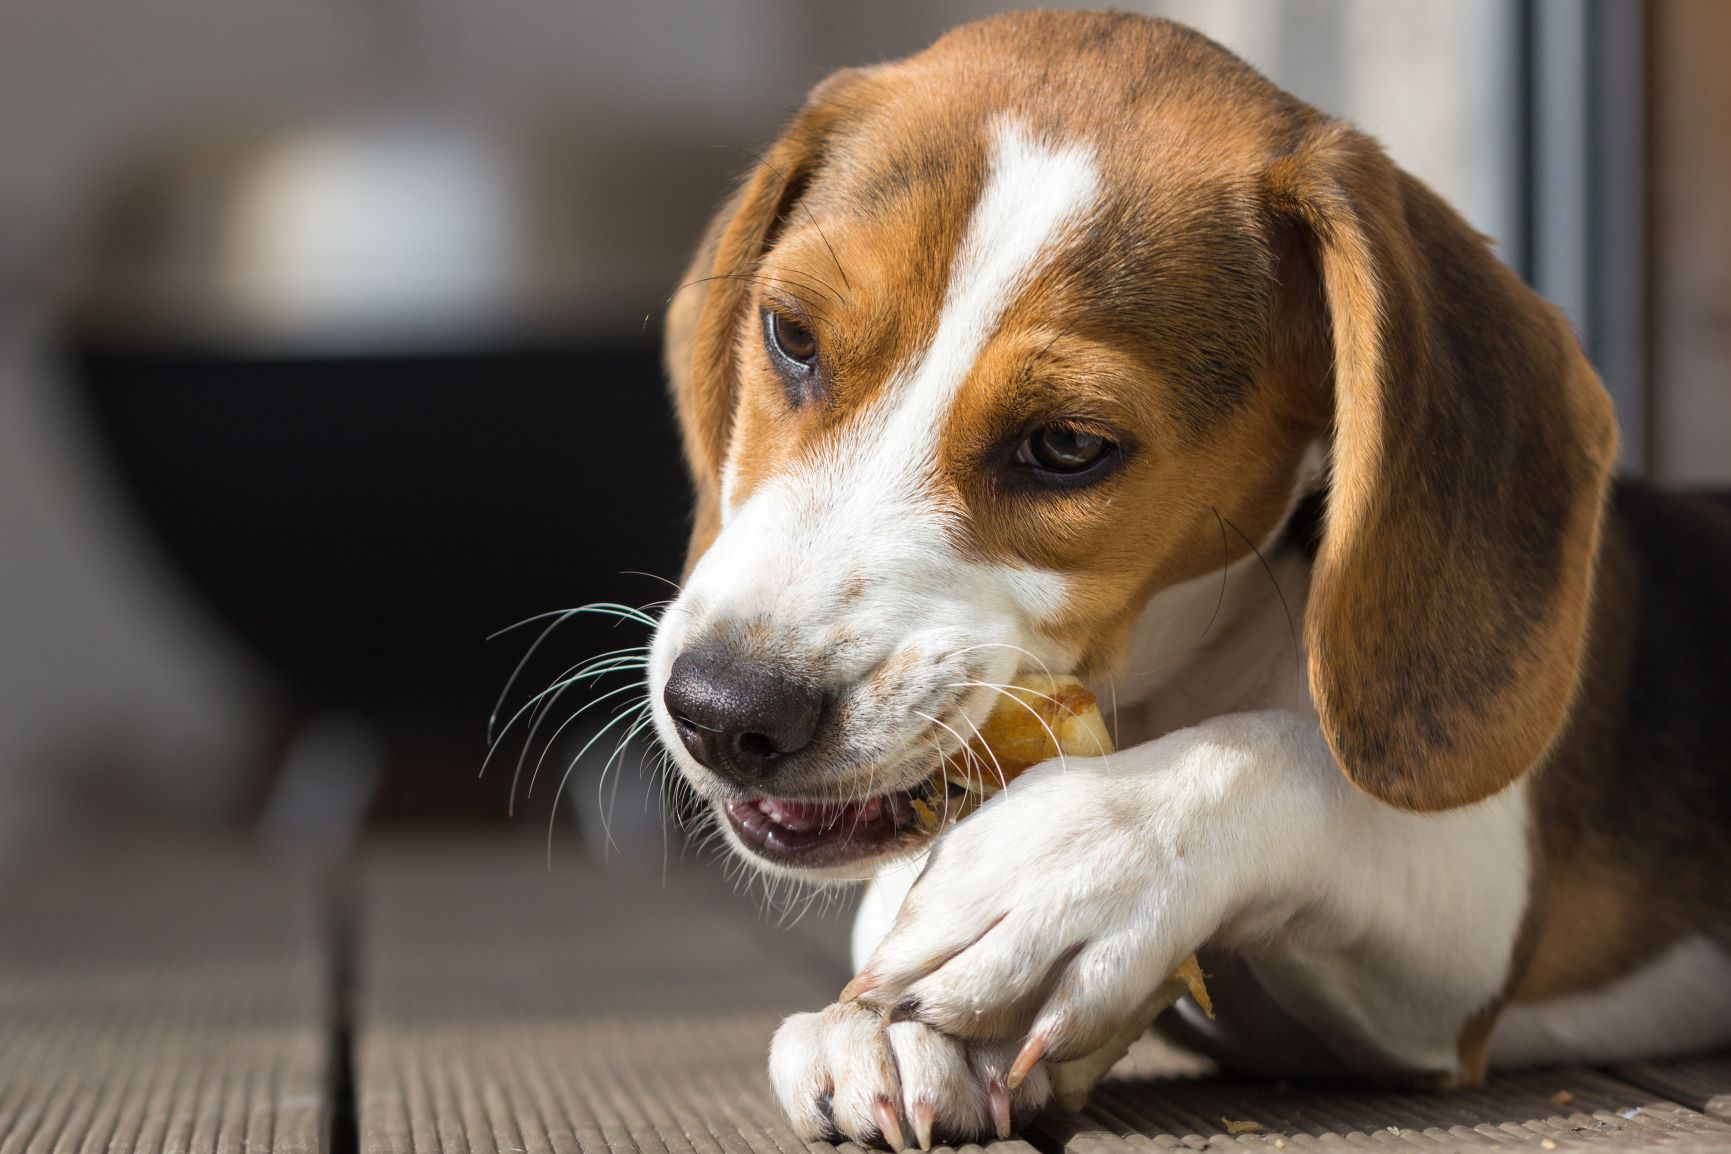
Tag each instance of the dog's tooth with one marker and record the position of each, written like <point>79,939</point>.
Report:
<point>785,818</point>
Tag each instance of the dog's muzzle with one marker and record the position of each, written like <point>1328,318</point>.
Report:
<point>748,724</point>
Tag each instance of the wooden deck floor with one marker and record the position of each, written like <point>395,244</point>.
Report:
<point>452,998</point>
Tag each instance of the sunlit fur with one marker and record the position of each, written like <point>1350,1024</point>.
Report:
<point>1329,730</point>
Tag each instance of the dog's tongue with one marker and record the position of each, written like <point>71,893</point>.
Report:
<point>804,816</point>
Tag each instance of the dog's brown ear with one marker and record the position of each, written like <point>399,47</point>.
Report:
<point>1472,448</point>
<point>703,316</point>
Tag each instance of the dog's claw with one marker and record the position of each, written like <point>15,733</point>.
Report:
<point>924,1113</point>
<point>889,1125</point>
<point>862,984</point>
<point>998,1096</point>
<point>1032,1051</point>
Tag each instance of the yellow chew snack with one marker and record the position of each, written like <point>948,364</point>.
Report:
<point>1035,721</point>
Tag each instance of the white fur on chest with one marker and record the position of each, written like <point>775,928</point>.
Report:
<point>1229,641</point>
<point>1216,644</point>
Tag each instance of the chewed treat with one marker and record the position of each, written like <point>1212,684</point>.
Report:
<point>1036,720</point>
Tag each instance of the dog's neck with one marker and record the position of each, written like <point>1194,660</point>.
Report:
<point>1223,643</point>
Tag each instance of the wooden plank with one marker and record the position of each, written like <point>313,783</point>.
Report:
<point>1564,1109</point>
<point>503,1009</point>
<point>1701,1083</point>
<point>162,1003</point>
<point>506,1010</point>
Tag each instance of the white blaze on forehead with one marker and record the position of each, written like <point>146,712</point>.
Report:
<point>1035,193</point>
<point>864,508</point>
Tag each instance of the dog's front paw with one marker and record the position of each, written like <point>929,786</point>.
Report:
<point>1047,919</point>
<point>842,1073</point>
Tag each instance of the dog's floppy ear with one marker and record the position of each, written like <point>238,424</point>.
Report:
<point>703,316</point>
<point>1472,447</point>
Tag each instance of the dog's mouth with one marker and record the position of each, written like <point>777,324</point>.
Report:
<point>800,834</point>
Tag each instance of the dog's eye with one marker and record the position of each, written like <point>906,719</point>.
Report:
<point>1063,449</point>
<point>790,342</point>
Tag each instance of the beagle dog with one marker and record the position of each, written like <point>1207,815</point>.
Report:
<point>1072,344</point>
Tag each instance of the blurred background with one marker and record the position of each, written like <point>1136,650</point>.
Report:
<point>328,347</point>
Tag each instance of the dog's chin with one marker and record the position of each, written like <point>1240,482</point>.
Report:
<point>827,841</point>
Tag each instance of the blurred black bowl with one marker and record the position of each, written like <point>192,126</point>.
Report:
<point>362,523</point>
<point>366,383</point>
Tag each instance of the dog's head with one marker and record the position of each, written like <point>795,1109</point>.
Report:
<point>984,352</point>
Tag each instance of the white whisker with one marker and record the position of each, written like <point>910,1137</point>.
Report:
<point>970,759</point>
<point>997,767</point>
<point>1044,668</point>
<point>563,616</point>
<point>629,711</point>
<point>594,669</point>
<point>1005,690</point>
<point>554,740</point>
<point>645,720</point>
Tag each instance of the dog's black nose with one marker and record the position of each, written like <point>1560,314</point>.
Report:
<point>739,718</point>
